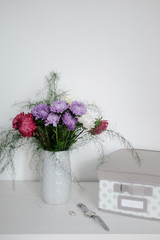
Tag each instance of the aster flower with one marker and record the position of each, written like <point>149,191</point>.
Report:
<point>67,99</point>
<point>69,121</point>
<point>41,111</point>
<point>17,120</point>
<point>25,124</point>
<point>101,128</point>
<point>78,108</point>
<point>88,121</point>
<point>59,106</point>
<point>52,119</point>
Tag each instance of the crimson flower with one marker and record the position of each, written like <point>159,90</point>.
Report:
<point>102,127</point>
<point>25,124</point>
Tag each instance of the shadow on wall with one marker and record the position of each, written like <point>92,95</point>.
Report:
<point>85,161</point>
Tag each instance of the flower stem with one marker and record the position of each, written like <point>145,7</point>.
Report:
<point>66,139</point>
<point>47,135</point>
<point>56,135</point>
<point>44,142</point>
<point>79,134</point>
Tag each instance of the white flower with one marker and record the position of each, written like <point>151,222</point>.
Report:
<point>67,98</point>
<point>87,120</point>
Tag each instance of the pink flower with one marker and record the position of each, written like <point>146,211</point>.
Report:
<point>102,127</point>
<point>25,124</point>
<point>17,120</point>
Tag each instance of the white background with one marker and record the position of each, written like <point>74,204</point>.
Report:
<point>106,52</point>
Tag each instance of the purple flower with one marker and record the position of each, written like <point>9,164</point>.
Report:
<point>41,111</point>
<point>59,106</point>
<point>52,119</point>
<point>78,108</point>
<point>69,121</point>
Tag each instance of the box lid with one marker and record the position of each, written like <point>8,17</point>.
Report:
<point>120,166</point>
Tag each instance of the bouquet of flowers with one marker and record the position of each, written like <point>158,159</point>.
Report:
<point>55,123</point>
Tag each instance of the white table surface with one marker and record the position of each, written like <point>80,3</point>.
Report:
<point>23,212</point>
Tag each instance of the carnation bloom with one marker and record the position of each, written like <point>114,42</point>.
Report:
<point>59,106</point>
<point>52,119</point>
<point>25,124</point>
<point>102,127</point>
<point>69,121</point>
<point>41,111</point>
<point>78,108</point>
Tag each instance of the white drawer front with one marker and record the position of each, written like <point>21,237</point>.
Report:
<point>131,199</point>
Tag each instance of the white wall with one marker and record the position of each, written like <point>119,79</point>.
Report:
<point>106,51</point>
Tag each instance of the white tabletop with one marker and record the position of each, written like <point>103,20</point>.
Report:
<point>23,212</point>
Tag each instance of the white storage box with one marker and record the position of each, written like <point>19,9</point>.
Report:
<point>128,189</point>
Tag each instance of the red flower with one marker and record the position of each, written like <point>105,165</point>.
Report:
<point>102,127</point>
<point>17,120</point>
<point>25,124</point>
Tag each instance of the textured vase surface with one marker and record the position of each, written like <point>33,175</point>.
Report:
<point>56,177</point>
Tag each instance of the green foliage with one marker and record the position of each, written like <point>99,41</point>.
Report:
<point>98,122</point>
<point>9,141</point>
<point>51,93</point>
